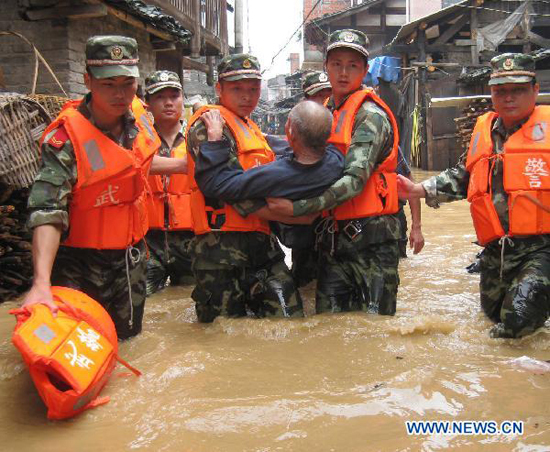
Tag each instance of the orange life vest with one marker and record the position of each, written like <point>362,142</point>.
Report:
<point>526,169</point>
<point>252,150</point>
<point>172,191</point>
<point>108,209</point>
<point>71,356</point>
<point>379,196</point>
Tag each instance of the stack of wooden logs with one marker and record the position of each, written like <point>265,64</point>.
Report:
<point>15,243</point>
<point>465,124</point>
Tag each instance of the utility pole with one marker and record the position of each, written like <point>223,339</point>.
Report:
<point>239,26</point>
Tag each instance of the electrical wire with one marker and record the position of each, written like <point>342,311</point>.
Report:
<point>293,34</point>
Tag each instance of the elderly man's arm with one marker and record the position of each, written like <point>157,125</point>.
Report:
<point>450,185</point>
<point>416,238</point>
<point>372,136</point>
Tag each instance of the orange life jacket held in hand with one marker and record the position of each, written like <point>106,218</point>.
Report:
<point>71,356</point>
<point>526,167</point>
<point>108,209</point>
<point>173,192</point>
<point>252,150</point>
<point>379,196</point>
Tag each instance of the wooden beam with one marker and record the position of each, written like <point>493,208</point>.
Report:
<point>183,18</point>
<point>67,12</point>
<point>452,30</point>
<point>538,39</point>
<point>473,33</point>
<point>128,18</point>
<point>196,39</point>
<point>464,42</point>
<point>163,46</point>
<point>430,48</point>
<point>427,64</point>
<point>421,96</point>
<point>514,42</point>
<point>526,27</point>
<point>389,10</point>
<point>188,63</point>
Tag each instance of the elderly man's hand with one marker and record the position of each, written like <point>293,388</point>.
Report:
<point>416,239</point>
<point>280,206</point>
<point>214,123</point>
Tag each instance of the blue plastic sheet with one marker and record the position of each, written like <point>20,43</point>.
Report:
<point>385,67</point>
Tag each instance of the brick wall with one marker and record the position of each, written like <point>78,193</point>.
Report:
<point>294,59</point>
<point>62,43</point>
<point>80,30</point>
<point>325,7</point>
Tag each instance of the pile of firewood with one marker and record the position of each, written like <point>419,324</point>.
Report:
<point>15,243</point>
<point>465,124</point>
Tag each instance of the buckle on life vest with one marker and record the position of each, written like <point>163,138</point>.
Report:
<point>216,218</point>
<point>382,187</point>
<point>352,229</point>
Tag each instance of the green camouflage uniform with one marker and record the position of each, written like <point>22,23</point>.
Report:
<point>359,273</point>
<point>239,272</point>
<point>168,250</point>
<point>519,301</point>
<point>114,278</point>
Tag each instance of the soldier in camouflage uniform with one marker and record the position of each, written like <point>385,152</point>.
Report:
<point>515,269</point>
<point>238,272</point>
<point>113,277</point>
<point>168,247</point>
<point>358,268</point>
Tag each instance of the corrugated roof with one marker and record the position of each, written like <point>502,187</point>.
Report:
<point>409,28</point>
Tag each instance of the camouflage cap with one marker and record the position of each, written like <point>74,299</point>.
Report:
<point>512,68</point>
<point>239,66</point>
<point>353,39</point>
<point>158,80</point>
<point>112,56</point>
<point>315,82</point>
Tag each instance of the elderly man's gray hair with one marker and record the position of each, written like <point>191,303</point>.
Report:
<point>312,123</point>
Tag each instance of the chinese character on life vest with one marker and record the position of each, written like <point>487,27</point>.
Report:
<point>89,339</point>
<point>535,168</point>
<point>80,360</point>
<point>107,196</point>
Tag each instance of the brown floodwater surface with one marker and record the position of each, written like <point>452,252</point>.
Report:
<point>345,382</point>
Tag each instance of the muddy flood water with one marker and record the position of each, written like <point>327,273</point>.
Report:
<point>344,382</point>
